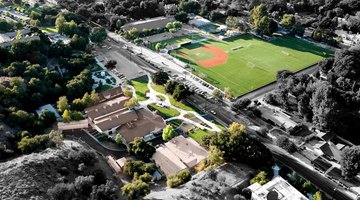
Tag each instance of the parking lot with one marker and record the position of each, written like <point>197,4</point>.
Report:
<point>125,69</point>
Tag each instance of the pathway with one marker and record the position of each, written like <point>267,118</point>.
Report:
<point>152,95</point>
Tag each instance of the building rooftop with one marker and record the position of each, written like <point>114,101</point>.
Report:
<point>153,23</point>
<point>331,150</point>
<point>179,153</point>
<point>277,188</point>
<point>146,122</point>
<point>106,107</point>
<point>110,94</point>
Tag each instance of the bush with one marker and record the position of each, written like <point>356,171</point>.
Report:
<point>240,104</point>
<point>135,189</point>
<point>286,143</point>
<point>178,179</point>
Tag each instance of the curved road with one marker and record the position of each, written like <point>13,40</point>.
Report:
<point>81,135</point>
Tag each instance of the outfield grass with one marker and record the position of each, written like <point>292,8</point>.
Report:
<point>140,85</point>
<point>164,112</point>
<point>254,64</point>
<point>199,54</point>
<point>177,40</point>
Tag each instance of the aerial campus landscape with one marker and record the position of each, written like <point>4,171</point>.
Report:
<point>180,99</point>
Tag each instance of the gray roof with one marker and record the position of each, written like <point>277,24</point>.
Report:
<point>153,23</point>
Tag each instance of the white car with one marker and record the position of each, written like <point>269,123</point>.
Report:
<point>213,112</point>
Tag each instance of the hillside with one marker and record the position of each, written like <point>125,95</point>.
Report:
<point>30,176</point>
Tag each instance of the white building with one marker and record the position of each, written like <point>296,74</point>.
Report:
<point>276,189</point>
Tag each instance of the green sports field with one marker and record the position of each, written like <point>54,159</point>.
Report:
<point>251,62</point>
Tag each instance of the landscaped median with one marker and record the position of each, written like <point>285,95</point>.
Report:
<point>164,111</point>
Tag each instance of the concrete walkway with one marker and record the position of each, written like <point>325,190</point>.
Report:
<point>152,95</point>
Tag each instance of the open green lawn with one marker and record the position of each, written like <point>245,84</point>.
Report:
<point>197,134</point>
<point>178,40</point>
<point>255,64</point>
<point>161,89</point>
<point>164,112</point>
<point>49,29</point>
<point>140,85</point>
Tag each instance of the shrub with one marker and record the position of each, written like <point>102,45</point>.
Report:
<point>178,179</point>
<point>135,189</point>
<point>286,143</point>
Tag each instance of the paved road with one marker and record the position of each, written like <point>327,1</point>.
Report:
<point>93,144</point>
<point>270,87</point>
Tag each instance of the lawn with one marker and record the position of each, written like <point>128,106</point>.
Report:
<point>140,85</point>
<point>255,62</point>
<point>161,89</point>
<point>198,54</point>
<point>51,29</point>
<point>197,134</point>
<point>164,112</point>
<point>177,40</point>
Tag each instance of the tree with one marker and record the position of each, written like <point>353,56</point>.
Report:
<point>83,184</point>
<point>146,177</point>
<point>135,189</point>
<point>138,41</point>
<point>47,117</point>
<point>62,191</point>
<point>288,21</point>
<point>350,159</point>
<point>319,196</point>
<point>141,149</point>
<point>111,64</point>
<point>160,46</point>
<point>285,143</point>
<point>217,94</point>
<point>98,35</point>
<point>160,77</point>
<point>215,156</point>
<point>256,14</point>
<point>128,92</point>
<point>180,178</point>
<point>138,168</point>
<point>189,6</point>
<point>236,128</point>
<point>228,93</point>
<point>118,139</point>
<point>80,84</point>
<point>182,17</point>
<point>169,25</point>
<point>260,178</point>
<point>168,133</point>
<point>103,191</point>
<point>131,103</point>
<point>66,116</point>
<point>177,24</point>
<point>247,193</point>
<point>240,104</point>
<point>78,42</point>
<point>170,86</point>
<point>266,25</point>
<point>232,22</point>
<point>215,16</point>
<point>181,92</point>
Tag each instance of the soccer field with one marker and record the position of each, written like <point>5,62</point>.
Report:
<point>246,63</point>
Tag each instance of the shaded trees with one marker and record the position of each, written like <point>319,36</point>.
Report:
<point>141,149</point>
<point>350,159</point>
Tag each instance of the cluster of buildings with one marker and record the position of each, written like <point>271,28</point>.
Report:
<point>110,117</point>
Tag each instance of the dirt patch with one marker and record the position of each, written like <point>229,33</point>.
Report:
<point>219,59</point>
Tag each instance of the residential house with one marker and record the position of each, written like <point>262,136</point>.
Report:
<point>276,189</point>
